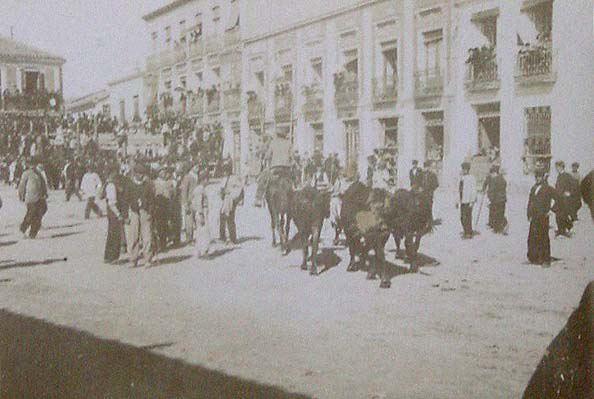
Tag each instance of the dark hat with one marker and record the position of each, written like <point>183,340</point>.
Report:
<point>415,162</point>
<point>560,163</point>
<point>494,169</point>
<point>575,165</point>
<point>466,165</point>
<point>140,169</point>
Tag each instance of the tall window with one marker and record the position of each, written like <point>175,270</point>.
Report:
<point>537,144</point>
<point>216,20</point>
<point>389,67</point>
<point>168,35</point>
<point>351,65</point>
<point>182,32</point>
<point>154,37</point>
<point>433,42</point>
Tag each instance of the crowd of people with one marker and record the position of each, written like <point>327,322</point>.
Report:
<point>11,100</point>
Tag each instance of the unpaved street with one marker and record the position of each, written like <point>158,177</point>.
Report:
<point>473,324</point>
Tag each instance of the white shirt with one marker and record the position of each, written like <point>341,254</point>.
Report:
<point>90,183</point>
<point>468,189</point>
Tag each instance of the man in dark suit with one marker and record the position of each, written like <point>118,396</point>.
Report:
<point>496,188</point>
<point>543,198</point>
<point>429,183</point>
<point>415,174</point>
<point>566,186</point>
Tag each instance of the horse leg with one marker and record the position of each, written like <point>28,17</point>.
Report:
<point>414,267</point>
<point>305,251</point>
<point>352,267</point>
<point>380,258</point>
<point>372,271</point>
<point>315,240</point>
<point>273,223</point>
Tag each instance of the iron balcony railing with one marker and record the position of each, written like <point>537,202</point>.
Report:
<point>535,64</point>
<point>347,95</point>
<point>428,83</point>
<point>482,75</point>
<point>384,91</point>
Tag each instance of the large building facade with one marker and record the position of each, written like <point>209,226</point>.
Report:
<point>30,79</point>
<point>440,80</point>
<point>195,64</point>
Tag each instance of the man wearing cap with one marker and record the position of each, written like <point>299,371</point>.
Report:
<point>496,188</point>
<point>543,198</point>
<point>576,199</point>
<point>429,183</point>
<point>187,186</point>
<point>231,194</point>
<point>32,191</point>
<point>566,186</point>
<point>279,161</point>
<point>467,190</point>
<point>141,198</point>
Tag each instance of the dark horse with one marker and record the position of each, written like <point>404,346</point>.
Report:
<point>309,208</point>
<point>279,191</point>
<point>363,217</point>
<point>408,217</point>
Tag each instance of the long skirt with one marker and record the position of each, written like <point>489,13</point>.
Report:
<point>202,237</point>
<point>113,244</point>
<point>539,243</point>
<point>497,216</point>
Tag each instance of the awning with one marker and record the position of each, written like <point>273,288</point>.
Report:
<point>477,17</point>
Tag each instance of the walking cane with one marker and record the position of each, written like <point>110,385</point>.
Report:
<point>478,216</point>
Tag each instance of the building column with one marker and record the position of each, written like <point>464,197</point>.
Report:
<point>368,130</point>
<point>406,123</point>
<point>333,127</point>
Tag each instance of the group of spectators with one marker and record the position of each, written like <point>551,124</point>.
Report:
<point>15,100</point>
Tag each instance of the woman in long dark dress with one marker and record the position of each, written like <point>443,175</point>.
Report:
<point>113,243</point>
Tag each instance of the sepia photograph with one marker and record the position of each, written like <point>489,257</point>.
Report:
<point>351,199</point>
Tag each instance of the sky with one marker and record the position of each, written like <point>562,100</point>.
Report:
<point>100,39</point>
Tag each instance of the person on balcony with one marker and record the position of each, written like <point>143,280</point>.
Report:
<point>278,158</point>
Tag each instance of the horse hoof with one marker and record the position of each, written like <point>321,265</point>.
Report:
<point>352,268</point>
<point>286,252</point>
<point>303,267</point>
<point>371,276</point>
<point>385,284</point>
<point>313,272</point>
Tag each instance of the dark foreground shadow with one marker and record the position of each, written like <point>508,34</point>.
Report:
<point>567,368</point>
<point>32,263</point>
<point>41,360</point>
<point>218,253</point>
<point>64,226</point>
<point>62,235</point>
<point>172,260</point>
<point>247,239</point>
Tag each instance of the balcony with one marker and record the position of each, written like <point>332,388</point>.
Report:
<point>212,44</point>
<point>255,109</point>
<point>535,66</point>
<point>152,62</point>
<point>482,76</point>
<point>283,100</point>
<point>213,103</point>
<point>196,104</point>
<point>196,48</point>
<point>232,98</point>
<point>232,37</point>
<point>346,96</point>
<point>313,108</point>
<point>179,53</point>
<point>428,84</point>
<point>385,92</point>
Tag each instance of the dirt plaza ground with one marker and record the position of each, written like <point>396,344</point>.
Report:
<point>473,323</point>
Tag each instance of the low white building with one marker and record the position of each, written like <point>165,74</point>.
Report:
<point>32,74</point>
<point>90,104</point>
<point>127,97</point>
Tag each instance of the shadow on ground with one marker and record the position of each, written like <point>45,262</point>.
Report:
<point>41,360</point>
<point>32,263</point>
<point>7,243</point>
<point>64,226</point>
